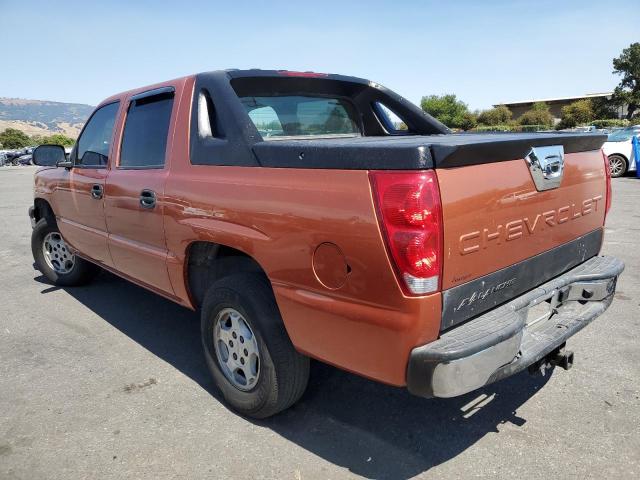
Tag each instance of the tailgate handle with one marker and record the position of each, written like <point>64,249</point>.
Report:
<point>546,165</point>
<point>552,167</point>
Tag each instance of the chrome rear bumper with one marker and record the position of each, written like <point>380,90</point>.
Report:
<point>509,338</point>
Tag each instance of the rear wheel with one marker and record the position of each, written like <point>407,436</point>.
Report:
<point>54,259</point>
<point>617,165</point>
<point>248,351</point>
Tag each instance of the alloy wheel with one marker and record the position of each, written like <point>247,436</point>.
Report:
<point>57,254</point>
<point>236,349</point>
<point>617,166</point>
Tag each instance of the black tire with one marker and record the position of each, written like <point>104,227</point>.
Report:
<point>620,160</point>
<point>283,374</point>
<point>82,271</point>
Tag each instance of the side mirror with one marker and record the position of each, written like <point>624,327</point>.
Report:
<point>49,156</point>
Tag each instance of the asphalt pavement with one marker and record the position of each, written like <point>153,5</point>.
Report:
<point>109,381</point>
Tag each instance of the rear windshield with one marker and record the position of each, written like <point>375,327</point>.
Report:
<point>297,116</point>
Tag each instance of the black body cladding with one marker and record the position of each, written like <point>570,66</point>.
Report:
<point>232,138</point>
<point>470,299</point>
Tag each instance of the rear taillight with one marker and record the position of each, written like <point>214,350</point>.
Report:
<point>607,170</point>
<point>410,216</point>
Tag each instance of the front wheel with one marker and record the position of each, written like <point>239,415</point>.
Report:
<point>54,259</point>
<point>617,165</point>
<point>247,349</point>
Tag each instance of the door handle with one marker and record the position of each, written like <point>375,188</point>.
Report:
<point>147,198</point>
<point>96,191</point>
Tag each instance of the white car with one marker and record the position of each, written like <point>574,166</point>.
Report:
<point>618,148</point>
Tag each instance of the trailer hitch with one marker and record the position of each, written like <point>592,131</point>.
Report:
<point>560,357</point>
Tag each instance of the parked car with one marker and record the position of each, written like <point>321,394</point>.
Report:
<point>24,160</point>
<point>418,258</point>
<point>22,156</point>
<point>11,158</point>
<point>618,149</point>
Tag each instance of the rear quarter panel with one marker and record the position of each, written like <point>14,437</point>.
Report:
<point>280,217</point>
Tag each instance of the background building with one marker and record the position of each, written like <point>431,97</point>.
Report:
<point>555,104</point>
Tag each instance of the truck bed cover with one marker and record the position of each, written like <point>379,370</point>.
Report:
<point>411,152</point>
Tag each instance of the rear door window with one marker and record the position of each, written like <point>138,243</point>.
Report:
<point>144,141</point>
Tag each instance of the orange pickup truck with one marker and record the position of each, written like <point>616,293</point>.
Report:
<point>322,216</point>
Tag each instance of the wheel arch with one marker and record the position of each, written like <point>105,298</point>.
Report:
<point>42,209</point>
<point>206,262</point>
<point>617,154</point>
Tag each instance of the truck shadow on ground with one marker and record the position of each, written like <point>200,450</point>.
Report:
<point>370,429</point>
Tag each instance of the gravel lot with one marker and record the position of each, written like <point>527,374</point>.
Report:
<point>108,381</point>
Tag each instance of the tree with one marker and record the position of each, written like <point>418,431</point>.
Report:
<point>577,113</point>
<point>603,108</point>
<point>539,114</point>
<point>449,110</point>
<point>628,90</point>
<point>500,115</point>
<point>37,140</point>
<point>469,120</point>
<point>57,139</point>
<point>12,138</point>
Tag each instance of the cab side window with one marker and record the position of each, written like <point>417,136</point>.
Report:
<point>144,141</point>
<point>95,140</point>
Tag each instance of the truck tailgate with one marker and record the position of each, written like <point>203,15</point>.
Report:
<point>494,218</point>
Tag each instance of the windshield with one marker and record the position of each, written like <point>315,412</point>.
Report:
<point>623,135</point>
<point>301,116</point>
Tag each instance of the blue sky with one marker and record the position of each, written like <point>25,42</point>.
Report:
<point>485,52</point>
